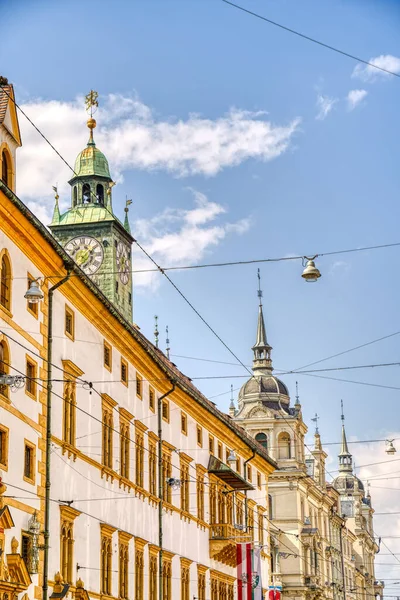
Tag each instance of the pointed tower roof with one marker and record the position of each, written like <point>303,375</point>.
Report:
<point>345,458</point>
<point>262,350</point>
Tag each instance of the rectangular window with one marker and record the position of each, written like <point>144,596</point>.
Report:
<point>69,415</point>
<point>200,496</point>
<point>167,580</point>
<point>219,450</point>
<point>199,436</point>
<point>107,449</point>
<point>26,548</point>
<point>153,577</point>
<point>166,474</point>
<point>139,385</point>
<point>259,480</point>
<point>107,356</point>
<point>139,440</point>
<point>3,447</point>
<point>211,444</point>
<point>29,462</point>
<point>250,522</point>
<point>130,298</point>
<point>260,528</point>
<point>165,410</point>
<point>185,582</point>
<point>152,404</point>
<point>116,287</point>
<point>32,307</point>
<point>152,469</point>
<point>106,562</point>
<point>124,371</point>
<point>239,466</point>
<point>124,450</point>
<point>69,323</point>
<point>249,474</point>
<point>185,497</point>
<point>201,586</point>
<point>139,574</point>
<point>184,423</point>
<point>31,375</point>
<point>67,547</point>
<point>123,570</point>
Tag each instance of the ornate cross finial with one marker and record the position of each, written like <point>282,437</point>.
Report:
<point>342,415</point>
<point>167,349</point>
<point>231,392</point>
<point>91,102</point>
<point>259,292</point>
<point>156,330</point>
<point>297,392</point>
<point>315,420</point>
<point>127,204</point>
<point>55,189</point>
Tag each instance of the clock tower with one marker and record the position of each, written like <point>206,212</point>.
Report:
<point>90,232</point>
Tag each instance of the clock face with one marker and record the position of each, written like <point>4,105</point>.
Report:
<point>123,263</point>
<point>87,253</point>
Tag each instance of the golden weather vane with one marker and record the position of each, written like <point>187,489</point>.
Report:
<point>91,102</point>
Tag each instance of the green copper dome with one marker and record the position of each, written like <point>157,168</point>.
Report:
<point>91,161</point>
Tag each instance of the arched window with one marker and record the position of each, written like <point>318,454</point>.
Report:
<point>75,196</point>
<point>283,445</point>
<point>100,193</point>
<point>5,168</point>
<point>262,439</point>
<point>5,282</point>
<point>86,196</point>
<point>270,507</point>
<point>4,366</point>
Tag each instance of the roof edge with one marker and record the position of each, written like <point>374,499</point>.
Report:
<point>138,336</point>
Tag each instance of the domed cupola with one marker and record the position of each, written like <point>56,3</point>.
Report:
<point>263,386</point>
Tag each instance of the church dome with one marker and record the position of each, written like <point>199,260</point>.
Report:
<point>348,483</point>
<point>263,384</point>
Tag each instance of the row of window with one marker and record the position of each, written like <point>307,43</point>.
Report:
<point>106,570</point>
<point>28,469</point>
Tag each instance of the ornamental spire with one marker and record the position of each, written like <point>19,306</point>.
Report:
<point>127,227</point>
<point>345,458</point>
<point>91,104</point>
<point>56,212</point>
<point>262,350</point>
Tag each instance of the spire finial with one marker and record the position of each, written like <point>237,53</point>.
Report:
<point>91,104</point>
<point>56,212</point>
<point>167,349</point>
<point>345,458</point>
<point>156,330</point>
<point>232,409</point>
<point>297,393</point>
<point>127,227</point>
<point>259,292</point>
<point>342,415</point>
<point>315,420</point>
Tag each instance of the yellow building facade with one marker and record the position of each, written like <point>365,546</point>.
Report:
<point>136,487</point>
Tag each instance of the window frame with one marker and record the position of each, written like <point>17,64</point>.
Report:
<point>107,347</point>
<point>32,380</point>
<point>152,400</point>
<point>71,314</point>
<point>32,307</point>
<point>32,462</point>
<point>211,444</point>
<point>124,364</point>
<point>220,451</point>
<point>5,255</point>
<point>165,404</point>
<point>184,423</point>
<point>4,444</point>
<point>199,436</point>
<point>139,386</point>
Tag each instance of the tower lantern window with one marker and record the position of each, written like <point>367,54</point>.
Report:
<point>86,193</point>
<point>100,193</point>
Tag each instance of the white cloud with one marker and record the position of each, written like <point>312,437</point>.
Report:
<point>384,61</point>
<point>324,106</point>
<point>177,236</point>
<point>133,137</point>
<point>354,97</point>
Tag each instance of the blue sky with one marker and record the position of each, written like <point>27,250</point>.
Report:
<point>334,185</point>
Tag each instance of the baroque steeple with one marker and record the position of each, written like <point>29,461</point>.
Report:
<point>345,458</point>
<point>262,362</point>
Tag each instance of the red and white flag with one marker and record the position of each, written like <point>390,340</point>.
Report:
<point>248,572</point>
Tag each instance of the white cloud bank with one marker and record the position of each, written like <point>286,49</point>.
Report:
<point>132,137</point>
<point>354,97</point>
<point>324,106</point>
<point>384,61</point>
<point>177,236</point>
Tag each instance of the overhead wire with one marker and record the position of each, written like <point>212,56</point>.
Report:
<point>310,39</point>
